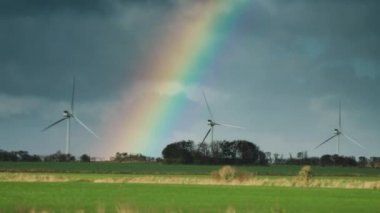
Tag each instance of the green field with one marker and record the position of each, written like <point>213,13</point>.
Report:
<point>89,197</point>
<point>164,169</point>
<point>153,187</point>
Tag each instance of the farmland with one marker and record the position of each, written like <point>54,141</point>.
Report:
<point>88,197</point>
<point>152,187</point>
<point>165,169</point>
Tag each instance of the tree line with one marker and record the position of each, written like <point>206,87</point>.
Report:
<point>325,160</point>
<point>127,157</point>
<point>237,152</point>
<point>241,152</point>
<point>24,156</point>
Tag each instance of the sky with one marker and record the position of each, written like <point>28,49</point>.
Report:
<point>279,69</point>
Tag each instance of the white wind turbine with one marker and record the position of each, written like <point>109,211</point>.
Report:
<point>338,133</point>
<point>68,115</point>
<point>212,123</point>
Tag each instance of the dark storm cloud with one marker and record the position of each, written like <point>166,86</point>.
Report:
<point>292,60</point>
<point>295,60</point>
<point>11,8</point>
<point>307,44</point>
<point>347,28</point>
<point>44,43</point>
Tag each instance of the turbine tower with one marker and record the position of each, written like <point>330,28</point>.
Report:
<point>338,133</point>
<point>68,115</point>
<point>212,123</point>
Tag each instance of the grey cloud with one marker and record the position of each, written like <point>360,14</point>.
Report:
<point>40,54</point>
<point>311,43</point>
<point>342,27</point>
<point>280,58</point>
<point>286,54</point>
<point>30,8</point>
<point>12,8</point>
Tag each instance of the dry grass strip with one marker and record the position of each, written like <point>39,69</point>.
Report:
<point>155,179</point>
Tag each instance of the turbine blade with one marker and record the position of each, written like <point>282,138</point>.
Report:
<point>72,96</point>
<point>325,141</point>
<point>354,141</point>
<point>340,116</point>
<point>228,125</point>
<point>208,132</point>
<point>208,106</point>
<point>86,127</point>
<point>53,124</point>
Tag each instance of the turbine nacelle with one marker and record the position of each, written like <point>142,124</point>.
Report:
<point>337,132</point>
<point>211,122</point>
<point>67,114</point>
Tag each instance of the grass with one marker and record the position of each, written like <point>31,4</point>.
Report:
<point>164,169</point>
<point>245,180</point>
<point>153,187</point>
<point>90,197</point>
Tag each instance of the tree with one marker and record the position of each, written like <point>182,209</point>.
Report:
<point>59,157</point>
<point>120,157</point>
<point>362,161</point>
<point>300,155</point>
<point>85,158</point>
<point>220,152</point>
<point>179,152</point>
<point>127,157</point>
<point>276,158</point>
<point>248,152</point>
<point>375,162</point>
<point>228,152</point>
<point>350,161</point>
<point>326,160</point>
<point>8,156</point>
<point>216,152</point>
<point>337,160</point>
<point>262,158</point>
<point>268,156</point>
<point>17,156</point>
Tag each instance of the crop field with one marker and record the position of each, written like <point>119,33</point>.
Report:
<point>152,187</point>
<point>165,169</point>
<point>89,197</point>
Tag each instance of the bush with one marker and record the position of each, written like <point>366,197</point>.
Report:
<point>305,175</point>
<point>229,173</point>
<point>242,176</point>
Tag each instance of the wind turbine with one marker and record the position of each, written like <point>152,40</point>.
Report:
<point>212,123</point>
<point>338,133</point>
<point>68,115</point>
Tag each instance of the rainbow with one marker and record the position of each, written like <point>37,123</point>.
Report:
<point>183,56</point>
